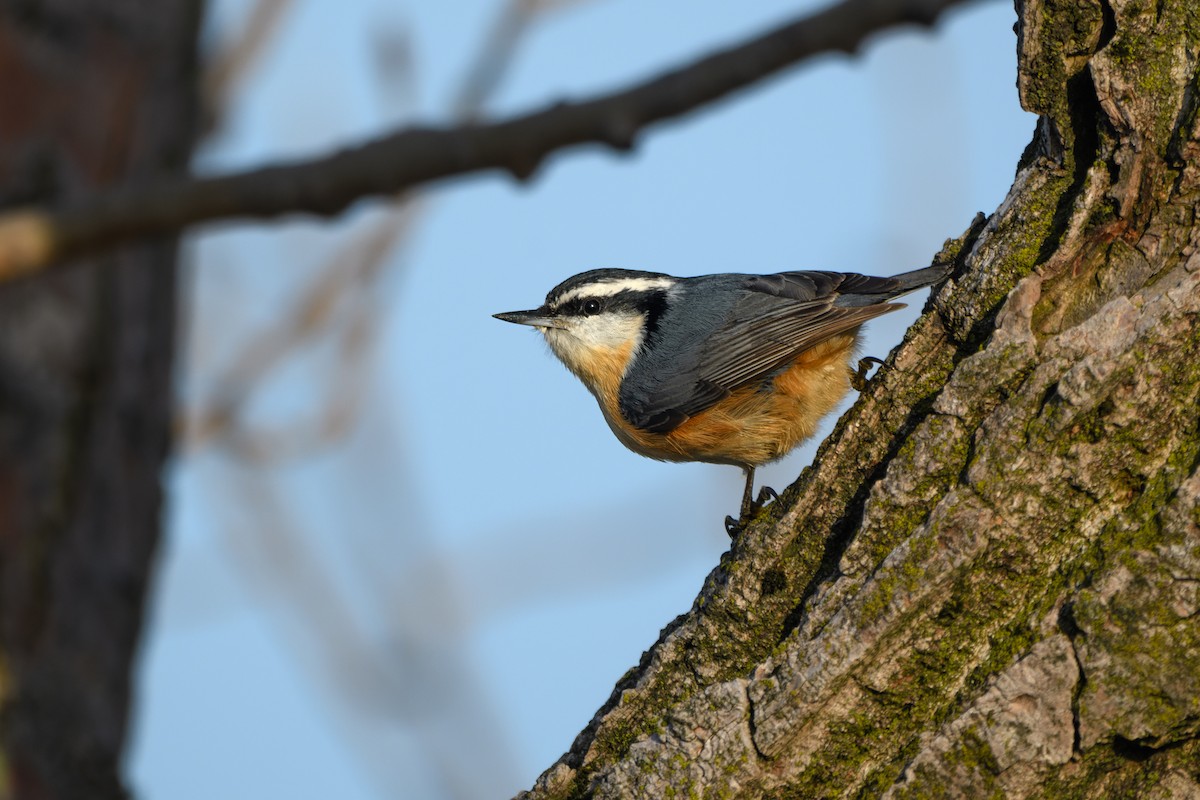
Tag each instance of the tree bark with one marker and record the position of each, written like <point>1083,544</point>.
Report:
<point>988,583</point>
<point>93,94</point>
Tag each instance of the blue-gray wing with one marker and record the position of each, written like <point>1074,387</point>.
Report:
<point>762,323</point>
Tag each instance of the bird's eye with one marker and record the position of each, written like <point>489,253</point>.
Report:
<point>591,307</point>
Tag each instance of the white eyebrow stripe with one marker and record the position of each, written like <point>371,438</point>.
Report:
<point>613,287</point>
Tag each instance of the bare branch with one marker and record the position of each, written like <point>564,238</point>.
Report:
<point>408,158</point>
<point>231,63</point>
<point>324,303</point>
<point>496,55</point>
<point>330,301</point>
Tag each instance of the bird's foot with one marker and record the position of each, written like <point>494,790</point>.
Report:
<point>766,495</point>
<point>858,378</point>
<point>732,526</point>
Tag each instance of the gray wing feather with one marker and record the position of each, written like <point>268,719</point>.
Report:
<point>774,318</point>
<point>743,353</point>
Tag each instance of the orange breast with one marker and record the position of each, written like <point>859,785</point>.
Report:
<point>755,424</point>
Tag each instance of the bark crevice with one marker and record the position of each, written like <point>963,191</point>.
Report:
<point>984,550</point>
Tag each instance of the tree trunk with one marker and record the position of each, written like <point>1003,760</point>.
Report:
<point>92,94</point>
<point>988,583</point>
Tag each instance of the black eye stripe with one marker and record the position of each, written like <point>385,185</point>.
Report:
<point>650,302</point>
<point>584,306</point>
<point>654,308</point>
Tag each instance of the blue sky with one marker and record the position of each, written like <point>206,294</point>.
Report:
<point>433,601</point>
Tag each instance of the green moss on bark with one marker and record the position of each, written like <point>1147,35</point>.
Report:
<point>1105,772</point>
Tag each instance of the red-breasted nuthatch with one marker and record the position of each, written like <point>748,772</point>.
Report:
<point>726,369</point>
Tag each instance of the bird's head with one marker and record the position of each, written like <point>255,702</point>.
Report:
<point>596,321</point>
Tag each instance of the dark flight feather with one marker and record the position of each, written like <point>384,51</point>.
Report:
<point>744,328</point>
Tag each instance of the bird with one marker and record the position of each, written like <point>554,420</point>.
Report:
<point>728,368</point>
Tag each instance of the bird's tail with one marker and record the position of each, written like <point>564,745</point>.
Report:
<point>865,290</point>
<point>908,281</point>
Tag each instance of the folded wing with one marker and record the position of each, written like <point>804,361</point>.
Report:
<point>773,319</point>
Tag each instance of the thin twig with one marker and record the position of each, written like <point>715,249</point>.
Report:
<point>359,261</point>
<point>230,64</point>
<point>326,186</point>
<point>356,264</point>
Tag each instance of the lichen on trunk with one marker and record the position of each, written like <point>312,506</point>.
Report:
<point>986,584</point>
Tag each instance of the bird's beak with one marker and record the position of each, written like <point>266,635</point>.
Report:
<point>538,318</point>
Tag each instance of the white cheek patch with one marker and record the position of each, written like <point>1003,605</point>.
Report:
<point>581,337</point>
<point>569,350</point>
<point>609,330</point>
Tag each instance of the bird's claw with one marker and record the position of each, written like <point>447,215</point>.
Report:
<point>765,495</point>
<point>858,378</point>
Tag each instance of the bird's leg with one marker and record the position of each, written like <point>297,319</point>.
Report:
<point>858,378</point>
<point>747,503</point>
<point>749,507</point>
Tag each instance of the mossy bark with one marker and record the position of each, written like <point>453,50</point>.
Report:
<point>988,583</point>
<point>93,94</point>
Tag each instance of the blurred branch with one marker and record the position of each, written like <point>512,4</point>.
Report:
<point>416,156</point>
<point>357,263</point>
<point>395,68</point>
<point>414,673</point>
<point>262,447</point>
<point>400,669</point>
<point>232,61</point>
<point>489,68</point>
<point>496,55</point>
